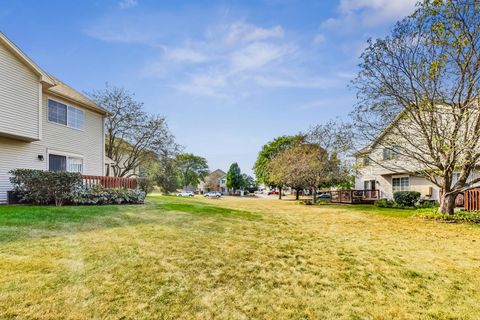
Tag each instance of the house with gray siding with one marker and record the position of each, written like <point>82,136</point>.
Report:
<point>44,124</point>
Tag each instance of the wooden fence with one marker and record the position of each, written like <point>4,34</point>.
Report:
<point>109,182</point>
<point>471,199</point>
<point>354,196</point>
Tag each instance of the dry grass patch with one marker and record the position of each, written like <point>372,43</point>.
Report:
<point>234,258</point>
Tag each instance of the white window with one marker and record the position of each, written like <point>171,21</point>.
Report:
<point>65,115</point>
<point>64,163</point>
<point>75,164</point>
<point>390,153</point>
<point>75,118</point>
<point>401,184</point>
<point>455,177</point>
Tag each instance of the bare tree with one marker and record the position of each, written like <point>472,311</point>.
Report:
<point>131,133</point>
<point>423,80</point>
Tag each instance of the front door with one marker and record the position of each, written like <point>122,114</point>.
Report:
<point>368,186</point>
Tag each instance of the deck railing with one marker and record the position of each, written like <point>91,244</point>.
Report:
<point>354,196</point>
<point>471,199</point>
<point>109,182</point>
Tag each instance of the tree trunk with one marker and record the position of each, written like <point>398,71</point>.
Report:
<point>280,193</point>
<point>297,196</point>
<point>447,203</point>
<point>314,193</point>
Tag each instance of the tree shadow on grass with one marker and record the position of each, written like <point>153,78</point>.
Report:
<point>29,222</point>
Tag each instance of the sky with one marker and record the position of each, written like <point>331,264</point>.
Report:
<point>228,75</point>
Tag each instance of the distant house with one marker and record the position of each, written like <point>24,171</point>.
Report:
<point>215,181</point>
<point>45,124</point>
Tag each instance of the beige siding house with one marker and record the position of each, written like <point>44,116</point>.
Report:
<point>44,124</point>
<point>381,167</point>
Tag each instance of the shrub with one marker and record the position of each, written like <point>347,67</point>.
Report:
<point>384,203</point>
<point>427,204</point>
<point>98,195</point>
<point>44,187</point>
<point>458,217</point>
<point>146,184</point>
<point>406,198</point>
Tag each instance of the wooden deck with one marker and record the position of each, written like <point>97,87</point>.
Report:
<point>354,196</point>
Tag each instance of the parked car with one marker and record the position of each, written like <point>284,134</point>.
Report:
<point>185,194</point>
<point>212,194</point>
<point>324,196</point>
<point>273,192</point>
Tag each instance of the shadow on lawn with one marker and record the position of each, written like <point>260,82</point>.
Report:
<point>28,222</point>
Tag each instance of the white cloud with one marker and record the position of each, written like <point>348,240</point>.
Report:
<point>354,14</point>
<point>229,60</point>
<point>244,32</point>
<point>257,55</point>
<point>125,4</point>
<point>318,39</point>
<point>185,55</point>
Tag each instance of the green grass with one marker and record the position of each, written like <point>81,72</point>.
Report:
<point>234,258</point>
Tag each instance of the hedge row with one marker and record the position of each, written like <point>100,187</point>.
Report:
<point>59,188</point>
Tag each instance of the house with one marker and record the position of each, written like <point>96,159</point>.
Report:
<point>381,166</point>
<point>215,181</point>
<point>45,124</point>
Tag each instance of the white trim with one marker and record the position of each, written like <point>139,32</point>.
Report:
<point>103,146</point>
<point>40,107</point>
<point>63,125</point>
<point>64,154</point>
<point>44,77</point>
<point>401,176</point>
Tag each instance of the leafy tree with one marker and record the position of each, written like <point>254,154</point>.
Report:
<point>248,183</point>
<point>147,178</point>
<point>234,177</point>
<point>266,155</point>
<point>190,169</point>
<point>131,133</point>
<point>305,165</point>
<point>167,176</point>
<point>424,80</point>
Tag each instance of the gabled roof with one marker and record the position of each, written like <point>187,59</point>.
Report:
<point>65,91</point>
<point>44,77</point>
<point>51,84</point>
<point>381,135</point>
<point>218,172</point>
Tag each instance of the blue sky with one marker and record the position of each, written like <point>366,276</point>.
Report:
<point>229,75</point>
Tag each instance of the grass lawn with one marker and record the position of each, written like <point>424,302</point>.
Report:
<point>235,259</point>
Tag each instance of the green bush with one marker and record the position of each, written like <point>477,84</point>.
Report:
<point>458,217</point>
<point>45,187</point>
<point>98,195</point>
<point>406,198</point>
<point>146,184</point>
<point>384,203</point>
<point>427,204</point>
